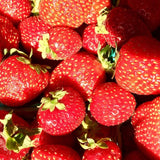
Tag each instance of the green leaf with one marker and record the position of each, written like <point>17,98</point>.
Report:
<point>60,106</point>
<point>11,144</point>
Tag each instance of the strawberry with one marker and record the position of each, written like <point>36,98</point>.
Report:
<point>120,24</point>
<point>15,10</point>
<point>52,152</point>
<point>97,6</point>
<point>137,68</point>
<point>61,112</point>
<point>82,71</point>
<point>14,142</point>
<point>146,125</point>
<point>1,55</point>
<point>91,40</point>
<point>111,105</point>
<point>64,13</point>
<point>31,31</point>
<point>9,35</point>
<point>147,10</point>
<point>22,81</point>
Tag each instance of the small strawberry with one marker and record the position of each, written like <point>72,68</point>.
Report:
<point>53,152</point>
<point>81,71</point>
<point>31,31</point>
<point>64,13</point>
<point>91,40</point>
<point>22,81</point>
<point>147,10</point>
<point>137,68</point>
<point>111,105</point>
<point>146,125</point>
<point>15,10</point>
<point>120,24</point>
<point>97,6</point>
<point>9,35</point>
<point>61,112</point>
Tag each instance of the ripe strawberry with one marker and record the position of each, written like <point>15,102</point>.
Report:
<point>31,31</point>
<point>147,10</point>
<point>137,69</point>
<point>61,112</point>
<point>91,40</point>
<point>110,150</point>
<point>146,124</point>
<point>14,142</point>
<point>82,71</point>
<point>15,10</point>
<point>97,6</point>
<point>21,81</point>
<point>9,35</point>
<point>64,13</point>
<point>120,25</point>
<point>111,104</point>
<point>52,152</point>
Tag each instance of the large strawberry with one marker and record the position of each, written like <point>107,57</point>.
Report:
<point>15,10</point>
<point>82,71</point>
<point>53,152</point>
<point>120,25</point>
<point>61,112</point>
<point>9,35</point>
<point>64,13</point>
<point>137,69</point>
<point>148,10</point>
<point>111,104</point>
<point>21,81</point>
<point>146,124</point>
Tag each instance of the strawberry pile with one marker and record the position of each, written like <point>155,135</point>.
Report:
<point>79,80</point>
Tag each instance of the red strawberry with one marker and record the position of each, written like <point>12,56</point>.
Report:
<point>91,40</point>
<point>61,112</point>
<point>82,71</point>
<point>64,13</point>
<point>97,6</point>
<point>111,104</point>
<point>120,25</point>
<point>103,150</point>
<point>9,35</point>
<point>15,10</point>
<point>14,143</point>
<point>31,31</point>
<point>1,55</point>
<point>22,81</point>
<point>146,124</point>
<point>147,10</point>
<point>53,152</point>
<point>137,69</point>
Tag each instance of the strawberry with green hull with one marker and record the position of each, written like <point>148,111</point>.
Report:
<point>61,112</point>
<point>81,71</point>
<point>146,125</point>
<point>53,152</point>
<point>64,13</point>
<point>22,81</point>
<point>137,68</point>
<point>15,10</point>
<point>9,34</point>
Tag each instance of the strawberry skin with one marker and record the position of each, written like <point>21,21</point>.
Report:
<point>63,121</point>
<point>15,10</point>
<point>111,104</point>
<point>138,67</point>
<point>57,14</point>
<point>19,83</point>
<point>53,152</point>
<point>82,71</point>
<point>146,124</point>
<point>31,31</point>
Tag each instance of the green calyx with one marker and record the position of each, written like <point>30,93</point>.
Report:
<point>17,138</point>
<point>44,47</point>
<point>52,101</point>
<point>35,6</point>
